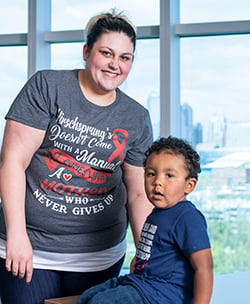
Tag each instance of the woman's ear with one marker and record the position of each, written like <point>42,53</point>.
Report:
<point>85,52</point>
<point>190,185</point>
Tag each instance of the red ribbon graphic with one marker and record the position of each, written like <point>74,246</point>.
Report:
<point>120,147</point>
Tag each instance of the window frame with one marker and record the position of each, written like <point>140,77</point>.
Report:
<point>169,31</point>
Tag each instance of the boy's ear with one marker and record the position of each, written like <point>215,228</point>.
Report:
<point>191,183</point>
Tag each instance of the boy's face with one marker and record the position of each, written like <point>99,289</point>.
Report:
<point>165,179</point>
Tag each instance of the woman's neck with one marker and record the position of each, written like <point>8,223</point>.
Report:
<point>98,98</point>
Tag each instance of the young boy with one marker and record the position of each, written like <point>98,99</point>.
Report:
<point>173,260</point>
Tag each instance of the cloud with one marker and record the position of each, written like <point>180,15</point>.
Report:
<point>214,10</point>
<point>13,18</point>
<point>215,74</point>
<point>76,16</point>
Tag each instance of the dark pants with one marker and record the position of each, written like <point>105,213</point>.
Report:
<point>47,284</point>
<point>115,290</point>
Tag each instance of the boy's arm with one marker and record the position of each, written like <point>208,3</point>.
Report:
<point>202,263</point>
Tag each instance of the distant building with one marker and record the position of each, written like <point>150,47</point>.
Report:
<point>187,122</point>
<point>193,134</point>
<point>231,169</point>
<point>198,134</point>
<point>217,130</point>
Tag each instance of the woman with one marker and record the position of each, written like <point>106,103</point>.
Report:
<point>72,171</point>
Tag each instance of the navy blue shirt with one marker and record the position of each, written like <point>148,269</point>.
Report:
<point>169,236</point>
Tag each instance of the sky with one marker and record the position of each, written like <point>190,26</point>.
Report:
<point>215,71</point>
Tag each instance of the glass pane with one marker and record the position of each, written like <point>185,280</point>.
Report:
<point>14,16</point>
<point>75,14</point>
<point>214,10</point>
<point>12,77</point>
<point>215,75</point>
<point>66,56</point>
<point>143,83</point>
<point>143,87</point>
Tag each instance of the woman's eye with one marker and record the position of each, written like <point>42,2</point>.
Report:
<point>125,58</point>
<point>106,53</point>
<point>169,175</point>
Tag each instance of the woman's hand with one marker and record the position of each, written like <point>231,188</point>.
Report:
<point>19,256</point>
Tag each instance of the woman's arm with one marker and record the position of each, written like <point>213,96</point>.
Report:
<point>202,263</point>
<point>138,205</point>
<point>19,144</point>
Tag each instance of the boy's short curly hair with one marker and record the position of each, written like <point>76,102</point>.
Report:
<point>177,146</point>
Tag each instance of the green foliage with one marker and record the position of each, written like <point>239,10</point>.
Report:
<point>230,244</point>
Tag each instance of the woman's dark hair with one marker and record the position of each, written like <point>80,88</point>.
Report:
<point>177,146</point>
<point>106,23</point>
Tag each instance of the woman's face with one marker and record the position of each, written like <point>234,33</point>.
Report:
<point>109,61</point>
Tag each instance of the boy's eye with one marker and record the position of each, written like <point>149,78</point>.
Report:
<point>149,174</point>
<point>169,175</point>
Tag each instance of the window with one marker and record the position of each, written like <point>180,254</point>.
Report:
<point>13,60</point>
<point>214,83</point>
<point>214,112</point>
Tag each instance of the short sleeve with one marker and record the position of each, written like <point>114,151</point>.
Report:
<point>135,155</point>
<point>31,105</point>
<point>191,232</point>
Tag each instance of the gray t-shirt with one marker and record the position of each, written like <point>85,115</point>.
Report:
<point>75,196</point>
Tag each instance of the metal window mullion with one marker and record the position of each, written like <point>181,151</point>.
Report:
<point>39,21</point>
<point>13,39</point>
<point>169,69</point>
<point>213,28</point>
<point>143,32</point>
